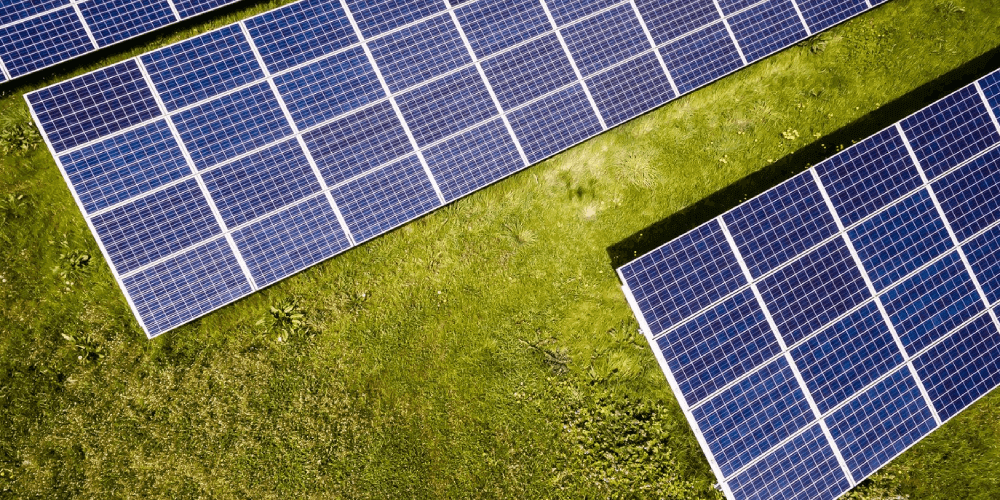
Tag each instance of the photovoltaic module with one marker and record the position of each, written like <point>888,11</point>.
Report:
<point>815,332</point>
<point>221,164</point>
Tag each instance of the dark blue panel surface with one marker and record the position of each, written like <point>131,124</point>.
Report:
<point>43,41</point>
<point>124,166</point>
<point>745,421</point>
<point>358,142</point>
<point>112,21</point>
<point>93,105</point>
<point>718,347</point>
<point>378,16</point>
<point>300,32</point>
<point>785,221</point>
<point>684,276</point>
<point>446,106</point>
<point>983,253</point>
<point>805,468</point>
<point>494,26</point>
<point>962,368</point>
<point>701,57</point>
<point>155,226</point>
<point>605,39</point>
<point>231,125</point>
<point>186,286</point>
<point>260,183</point>
<point>628,90</point>
<point>821,14</point>
<point>880,423</point>
<point>669,20</point>
<point>991,89</point>
<point>550,125</point>
<point>188,8</point>
<point>291,240</point>
<point>14,11</point>
<point>849,355</point>
<point>419,53</point>
<point>471,160</point>
<point>385,198</point>
<point>565,11</point>
<point>869,175</point>
<point>529,71</point>
<point>767,28</point>
<point>950,131</point>
<point>730,7</point>
<point>330,87</point>
<point>897,241</point>
<point>970,195</point>
<point>813,290</point>
<point>932,303</point>
<point>202,67</point>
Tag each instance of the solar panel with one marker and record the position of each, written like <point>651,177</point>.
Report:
<point>815,332</point>
<point>384,110</point>
<point>36,34</point>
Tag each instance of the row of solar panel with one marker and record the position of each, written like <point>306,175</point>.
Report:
<point>870,278</point>
<point>382,126</point>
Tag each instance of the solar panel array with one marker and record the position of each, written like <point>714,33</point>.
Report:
<point>36,34</point>
<point>813,333</point>
<point>218,165</point>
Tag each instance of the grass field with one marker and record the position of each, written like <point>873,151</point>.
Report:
<point>483,351</point>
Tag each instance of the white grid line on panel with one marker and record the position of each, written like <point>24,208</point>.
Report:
<point>392,100</point>
<point>572,62</point>
<point>173,8</point>
<point>675,388</point>
<point>868,3</point>
<point>489,87</point>
<point>652,43</point>
<point>786,353</point>
<point>298,136</point>
<point>6,74</point>
<point>732,36</point>
<point>197,176</point>
<point>86,27</point>
<point>871,289</point>
<point>801,17</point>
<point>989,108</point>
<point>40,14</point>
<point>90,224</point>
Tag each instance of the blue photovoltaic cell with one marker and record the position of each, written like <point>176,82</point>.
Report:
<point>730,7</point>
<point>880,423</point>
<point>767,28</point>
<point>605,39</point>
<point>15,11</point>
<point>805,468</point>
<point>186,286</point>
<point>821,14</point>
<point>630,89</point>
<point>962,368</point>
<point>202,67</point>
<point>231,125</point>
<point>446,106</point>
<point>188,8</point>
<point>329,87</point>
<point>970,195</point>
<point>494,26</point>
<point>744,421</point>
<point>378,16</point>
<point>419,53</point>
<point>868,176</point>
<point>291,240</point>
<point>124,166</point>
<point>385,198</point>
<point>43,41</point>
<point>155,226</point>
<point>932,302</point>
<point>112,21</point>
<point>260,183</point>
<point>983,253</point>
<point>683,277</point>
<point>950,131</point>
<point>718,346</point>
<point>781,223</point>
<point>550,125</point>
<point>701,57</point>
<point>93,105</point>
<point>565,11</point>
<point>991,90</point>
<point>899,240</point>
<point>358,143</point>
<point>300,32</point>
<point>847,356</point>
<point>669,20</point>
<point>473,159</point>
<point>813,290</point>
<point>529,71</point>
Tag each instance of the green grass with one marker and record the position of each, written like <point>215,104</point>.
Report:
<point>485,350</point>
